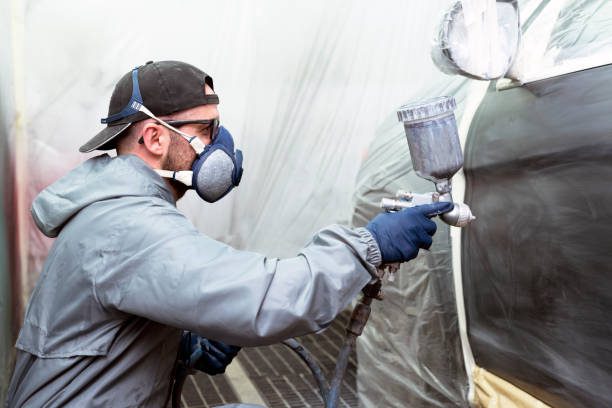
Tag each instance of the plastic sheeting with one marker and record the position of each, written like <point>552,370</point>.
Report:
<point>580,30</point>
<point>6,309</point>
<point>562,37</point>
<point>7,216</point>
<point>394,369</point>
<point>410,352</point>
<point>302,86</point>
<point>478,38</point>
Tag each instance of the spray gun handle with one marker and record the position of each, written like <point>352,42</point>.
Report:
<point>404,199</point>
<point>459,216</point>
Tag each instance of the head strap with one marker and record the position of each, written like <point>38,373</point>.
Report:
<point>133,105</point>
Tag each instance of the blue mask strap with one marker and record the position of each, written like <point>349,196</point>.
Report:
<point>133,105</point>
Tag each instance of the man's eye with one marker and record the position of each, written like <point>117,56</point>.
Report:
<point>205,129</point>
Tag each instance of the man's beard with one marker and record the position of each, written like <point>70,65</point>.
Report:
<point>180,157</point>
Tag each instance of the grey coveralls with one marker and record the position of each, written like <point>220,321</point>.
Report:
<point>128,271</point>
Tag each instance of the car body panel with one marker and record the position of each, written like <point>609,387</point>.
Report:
<point>536,265</point>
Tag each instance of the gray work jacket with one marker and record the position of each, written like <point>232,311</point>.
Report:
<point>128,271</point>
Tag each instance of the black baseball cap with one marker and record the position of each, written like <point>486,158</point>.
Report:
<point>164,87</point>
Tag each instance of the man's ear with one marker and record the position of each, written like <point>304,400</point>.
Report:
<point>155,138</point>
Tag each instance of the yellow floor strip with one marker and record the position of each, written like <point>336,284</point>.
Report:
<point>242,385</point>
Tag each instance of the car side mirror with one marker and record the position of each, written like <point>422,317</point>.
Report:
<point>478,38</point>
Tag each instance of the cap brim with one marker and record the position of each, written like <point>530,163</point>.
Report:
<point>103,138</point>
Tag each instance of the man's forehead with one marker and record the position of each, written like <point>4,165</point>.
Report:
<point>208,111</point>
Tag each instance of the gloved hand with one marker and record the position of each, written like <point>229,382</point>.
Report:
<point>205,355</point>
<point>400,234</point>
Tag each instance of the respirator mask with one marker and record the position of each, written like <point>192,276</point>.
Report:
<point>217,168</point>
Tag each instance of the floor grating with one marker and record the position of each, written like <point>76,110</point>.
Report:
<point>279,375</point>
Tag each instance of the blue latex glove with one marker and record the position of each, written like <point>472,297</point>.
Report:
<point>206,355</point>
<point>401,234</point>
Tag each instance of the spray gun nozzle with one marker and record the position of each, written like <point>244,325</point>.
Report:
<point>460,216</point>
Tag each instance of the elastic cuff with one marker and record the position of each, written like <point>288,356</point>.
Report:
<point>373,254</point>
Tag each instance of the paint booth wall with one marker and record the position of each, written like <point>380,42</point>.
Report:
<point>7,235</point>
<point>303,88</point>
<point>410,351</point>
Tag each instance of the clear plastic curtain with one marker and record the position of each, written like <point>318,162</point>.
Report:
<point>303,87</point>
<point>410,352</point>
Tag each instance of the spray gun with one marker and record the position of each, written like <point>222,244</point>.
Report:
<point>436,154</point>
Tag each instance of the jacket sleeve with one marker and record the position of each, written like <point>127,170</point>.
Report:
<point>167,271</point>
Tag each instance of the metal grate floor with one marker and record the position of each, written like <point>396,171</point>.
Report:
<point>203,391</point>
<point>279,375</point>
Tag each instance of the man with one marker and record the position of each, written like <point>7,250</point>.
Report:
<point>128,271</point>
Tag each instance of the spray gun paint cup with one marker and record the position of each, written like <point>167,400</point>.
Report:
<point>431,131</point>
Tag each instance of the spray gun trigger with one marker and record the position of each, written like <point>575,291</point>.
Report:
<point>387,272</point>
